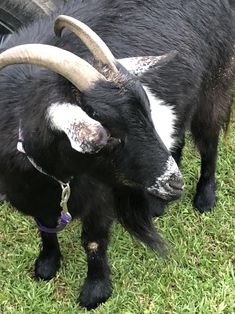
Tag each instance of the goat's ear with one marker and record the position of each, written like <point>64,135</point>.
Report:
<point>85,134</point>
<point>139,65</point>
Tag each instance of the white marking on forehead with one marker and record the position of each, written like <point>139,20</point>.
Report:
<point>164,119</point>
<point>78,126</point>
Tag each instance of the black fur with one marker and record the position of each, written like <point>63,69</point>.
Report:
<point>196,82</point>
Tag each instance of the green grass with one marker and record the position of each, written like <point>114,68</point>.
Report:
<point>198,278</point>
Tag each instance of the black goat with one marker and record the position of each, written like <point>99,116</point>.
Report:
<point>95,129</point>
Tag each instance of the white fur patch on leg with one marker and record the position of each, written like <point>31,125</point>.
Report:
<point>93,246</point>
<point>163,118</point>
<point>85,134</point>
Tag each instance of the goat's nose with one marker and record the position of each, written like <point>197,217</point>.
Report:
<point>176,182</point>
<point>170,185</point>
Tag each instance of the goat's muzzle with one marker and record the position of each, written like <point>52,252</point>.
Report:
<point>170,185</point>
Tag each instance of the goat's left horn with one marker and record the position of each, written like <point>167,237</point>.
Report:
<point>94,43</point>
<point>79,72</point>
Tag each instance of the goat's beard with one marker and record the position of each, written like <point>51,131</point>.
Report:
<point>134,212</point>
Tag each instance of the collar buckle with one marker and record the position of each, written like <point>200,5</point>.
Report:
<point>66,191</point>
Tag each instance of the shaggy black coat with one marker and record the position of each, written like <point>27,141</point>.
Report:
<point>196,83</point>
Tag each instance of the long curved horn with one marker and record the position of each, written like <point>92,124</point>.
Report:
<point>93,42</point>
<point>79,72</point>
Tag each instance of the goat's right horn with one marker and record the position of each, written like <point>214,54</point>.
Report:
<point>79,72</point>
<point>94,43</point>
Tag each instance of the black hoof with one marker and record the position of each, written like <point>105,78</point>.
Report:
<point>94,292</point>
<point>205,198</point>
<point>47,265</point>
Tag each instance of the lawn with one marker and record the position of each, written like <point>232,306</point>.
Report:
<point>197,278</point>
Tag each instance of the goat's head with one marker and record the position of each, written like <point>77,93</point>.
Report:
<point>108,128</point>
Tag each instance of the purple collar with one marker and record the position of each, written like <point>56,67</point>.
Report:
<point>64,219</point>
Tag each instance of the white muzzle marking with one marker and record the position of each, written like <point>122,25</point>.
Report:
<point>162,185</point>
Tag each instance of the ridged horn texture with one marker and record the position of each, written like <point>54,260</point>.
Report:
<point>94,43</point>
<point>79,72</point>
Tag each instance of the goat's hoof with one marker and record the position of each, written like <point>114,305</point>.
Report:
<point>205,198</point>
<point>47,265</point>
<point>94,292</point>
<point>204,202</point>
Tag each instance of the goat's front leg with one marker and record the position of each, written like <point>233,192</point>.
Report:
<point>206,140</point>
<point>48,261</point>
<point>97,287</point>
<point>176,152</point>
<point>3,196</point>
<point>205,198</point>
